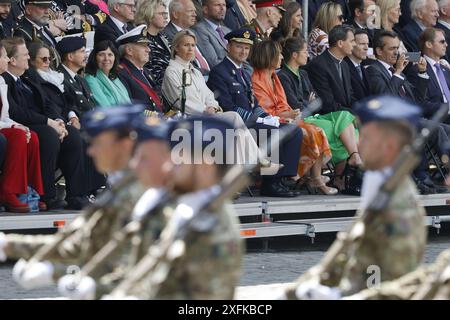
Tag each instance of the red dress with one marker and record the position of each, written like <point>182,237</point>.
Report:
<point>22,165</point>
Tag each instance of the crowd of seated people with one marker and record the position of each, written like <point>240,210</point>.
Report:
<point>246,61</point>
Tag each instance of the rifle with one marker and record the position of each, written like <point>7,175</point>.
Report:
<point>44,252</point>
<point>171,244</point>
<point>330,269</point>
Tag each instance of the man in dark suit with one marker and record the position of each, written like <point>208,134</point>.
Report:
<point>234,19</point>
<point>234,91</point>
<point>424,15</point>
<point>330,75</point>
<point>358,73</point>
<point>134,51</point>
<point>211,32</point>
<point>444,23</point>
<point>76,90</point>
<point>60,145</point>
<point>119,21</point>
<point>362,12</point>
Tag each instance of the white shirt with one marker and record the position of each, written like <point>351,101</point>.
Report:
<point>388,66</point>
<point>444,23</point>
<point>198,95</point>
<point>432,62</point>
<point>118,23</point>
<point>5,120</point>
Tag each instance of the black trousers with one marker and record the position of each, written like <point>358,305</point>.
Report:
<point>95,180</point>
<point>289,150</point>
<point>67,155</point>
<point>2,149</point>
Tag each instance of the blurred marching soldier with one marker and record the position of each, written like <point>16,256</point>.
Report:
<point>111,148</point>
<point>268,16</point>
<point>152,167</point>
<point>393,239</point>
<point>76,90</point>
<point>208,260</point>
<point>134,52</point>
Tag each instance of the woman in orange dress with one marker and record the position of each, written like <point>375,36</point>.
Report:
<point>315,151</point>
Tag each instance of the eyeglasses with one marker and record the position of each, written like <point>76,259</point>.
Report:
<point>45,59</point>
<point>341,17</point>
<point>442,41</point>
<point>129,5</point>
<point>164,14</point>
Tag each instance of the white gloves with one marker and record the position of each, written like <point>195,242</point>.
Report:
<point>312,290</point>
<point>270,121</point>
<point>76,287</point>
<point>3,243</point>
<point>35,275</point>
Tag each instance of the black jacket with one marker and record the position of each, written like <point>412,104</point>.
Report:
<point>336,95</point>
<point>108,30</point>
<point>360,87</point>
<point>297,89</point>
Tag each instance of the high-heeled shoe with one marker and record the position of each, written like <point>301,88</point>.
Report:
<point>352,176</point>
<point>316,186</point>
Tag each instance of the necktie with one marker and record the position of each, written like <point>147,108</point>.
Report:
<point>22,87</point>
<point>402,91</point>
<point>222,35</point>
<point>442,81</point>
<point>358,68</point>
<point>241,74</point>
<point>339,69</point>
<point>200,60</point>
<point>124,28</point>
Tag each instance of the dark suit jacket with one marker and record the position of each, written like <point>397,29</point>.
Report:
<point>25,111</point>
<point>381,82</point>
<point>447,37</point>
<point>170,31</point>
<point>232,93</point>
<point>336,95</point>
<point>108,31</point>
<point>27,31</point>
<point>434,97</point>
<point>411,33</point>
<point>79,97</point>
<point>370,32</point>
<point>297,89</point>
<point>234,19</point>
<point>360,88</point>
<point>135,91</point>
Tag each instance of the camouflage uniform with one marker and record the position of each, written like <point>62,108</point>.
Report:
<point>394,241</point>
<point>255,26</point>
<point>210,267</point>
<point>90,233</point>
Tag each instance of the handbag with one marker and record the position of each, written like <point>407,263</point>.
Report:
<point>31,198</point>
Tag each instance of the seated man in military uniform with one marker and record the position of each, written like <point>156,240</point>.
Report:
<point>232,86</point>
<point>134,52</point>
<point>268,15</point>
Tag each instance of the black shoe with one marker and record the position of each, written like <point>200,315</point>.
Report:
<point>277,189</point>
<point>423,188</point>
<point>77,203</point>
<point>54,204</point>
<point>437,188</point>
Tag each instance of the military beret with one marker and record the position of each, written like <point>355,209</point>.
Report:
<point>70,44</point>
<point>269,3</point>
<point>136,35</point>
<point>202,133</point>
<point>384,108</point>
<point>119,117</point>
<point>242,35</point>
<point>152,129</point>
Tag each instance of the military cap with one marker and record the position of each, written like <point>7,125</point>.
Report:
<point>269,3</point>
<point>136,35</point>
<point>243,35</point>
<point>38,2</point>
<point>70,44</point>
<point>384,108</point>
<point>98,120</point>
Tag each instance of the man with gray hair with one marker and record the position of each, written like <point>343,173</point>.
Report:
<point>424,14</point>
<point>444,22</point>
<point>211,31</point>
<point>183,17</point>
<point>118,22</point>
<point>268,15</point>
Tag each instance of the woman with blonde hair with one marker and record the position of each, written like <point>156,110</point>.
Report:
<point>154,15</point>
<point>390,12</point>
<point>329,15</point>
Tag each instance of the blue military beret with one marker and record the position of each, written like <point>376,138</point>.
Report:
<point>70,44</point>
<point>98,120</point>
<point>387,108</point>
<point>243,35</point>
<point>151,131</point>
<point>199,132</point>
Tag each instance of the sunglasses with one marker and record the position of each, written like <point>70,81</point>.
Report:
<point>45,59</point>
<point>341,17</point>
<point>442,41</point>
